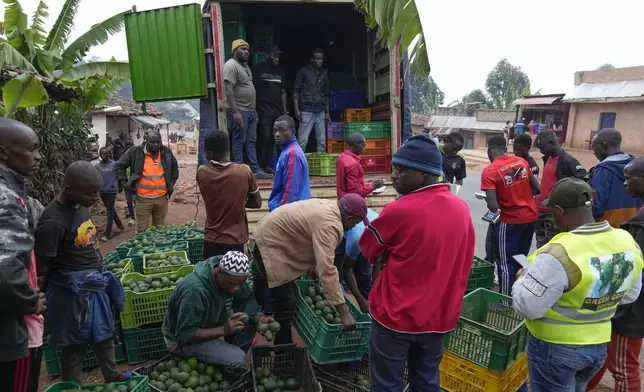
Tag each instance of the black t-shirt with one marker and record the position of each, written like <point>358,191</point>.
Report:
<point>533,166</point>
<point>453,167</point>
<point>68,236</point>
<point>269,82</point>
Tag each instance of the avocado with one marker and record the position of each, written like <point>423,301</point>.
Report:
<point>224,385</point>
<point>193,382</point>
<point>270,386</point>
<point>292,383</point>
<point>269,336</point>
<point>275,327</point>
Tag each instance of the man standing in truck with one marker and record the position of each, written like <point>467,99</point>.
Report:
<point>270,84</point>
<point>241,116</point>
<point>311,101</point>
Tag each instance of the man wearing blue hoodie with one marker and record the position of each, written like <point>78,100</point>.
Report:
<point>611,203</point>
<point>291,182</point>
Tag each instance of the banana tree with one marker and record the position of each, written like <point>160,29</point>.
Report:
<point>398,20</point>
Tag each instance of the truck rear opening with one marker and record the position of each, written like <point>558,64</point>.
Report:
<point>355,64</point>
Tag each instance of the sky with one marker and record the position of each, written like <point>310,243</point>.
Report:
<point>548,39</point>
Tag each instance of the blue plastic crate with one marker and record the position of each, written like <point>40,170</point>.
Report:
<point>343,101</point>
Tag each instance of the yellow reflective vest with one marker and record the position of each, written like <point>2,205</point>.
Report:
<point>610,262</point>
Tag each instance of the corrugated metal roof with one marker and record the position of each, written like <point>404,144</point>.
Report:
<point>627,90</point>
<point>536,101</point>
<point>446,124</point>
<point>151,122</point>
<point>166,53</point>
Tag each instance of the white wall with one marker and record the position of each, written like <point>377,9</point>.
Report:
<point>99,127</point>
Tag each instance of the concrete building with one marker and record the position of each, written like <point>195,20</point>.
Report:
<point>476,130</point>
<point>607,98</point>
<point>118,115</point>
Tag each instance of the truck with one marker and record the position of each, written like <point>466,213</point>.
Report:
<point>357,62</point>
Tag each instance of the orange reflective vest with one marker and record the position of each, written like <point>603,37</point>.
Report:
<point>152,182</point>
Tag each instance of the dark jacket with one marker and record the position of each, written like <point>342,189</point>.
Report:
<point>568,166</point>
<point>629,319</point>
<point>197,303</point>
<point>134,159</point>
<point>17,298</point>
<point>311,89</point>
<point>611,202</point>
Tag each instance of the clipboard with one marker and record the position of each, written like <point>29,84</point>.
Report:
<point>491,217</point>
<point>522,260</point>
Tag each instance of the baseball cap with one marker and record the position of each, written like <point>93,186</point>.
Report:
<point>354,205</point>
<point>274,49</point>
<point>570,193</point>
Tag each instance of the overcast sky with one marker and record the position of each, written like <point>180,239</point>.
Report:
<point>549,39</point>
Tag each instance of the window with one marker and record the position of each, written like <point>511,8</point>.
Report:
<point>607,120</point>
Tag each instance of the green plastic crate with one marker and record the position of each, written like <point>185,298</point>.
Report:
<point>328,343</point>
<point>122,250</point>
<point>489,332</point>
<point>321,164</point>
<point>481,275</point>
<point>147,270</point>
<point>370,130</point>
<point>142,344</point>
<point>137,256</point>
<point>142,385</point>
<point>151,307</point>
<point>51,356</point>
<point>195,245</point>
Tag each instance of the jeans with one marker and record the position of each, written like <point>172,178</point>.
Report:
<point>130,197</point>
<point>623,361</point>
<point>216,352</point>
<point>310,120</point>
<point>109,200</point>
<point>390,351</point>
<point>362,272</point>
<point>562,368</point>
<point>71,361</point>
<point>509,240</point>
<point>150,208</point>
<point>265,141</point>
<point>284,297</point>
<point>211,249</point>
<point>244,139</point>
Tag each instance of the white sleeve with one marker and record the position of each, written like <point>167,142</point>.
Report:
<point>540,288</point>
<point>633,293</point>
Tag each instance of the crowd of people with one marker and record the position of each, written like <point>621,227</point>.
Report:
<point>257,97</point>
<point>408,266</point>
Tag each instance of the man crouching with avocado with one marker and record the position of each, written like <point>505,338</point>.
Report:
<point>214,302</point>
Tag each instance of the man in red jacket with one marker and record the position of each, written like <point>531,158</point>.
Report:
<point>349,174</point>
<point>423,245</point>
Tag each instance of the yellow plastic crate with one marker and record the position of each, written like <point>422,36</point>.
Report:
<point>459,375</point>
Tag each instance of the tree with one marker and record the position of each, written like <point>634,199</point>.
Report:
<point>425,94</point>
<point>606,66</point>
<point>398,20</point>
<point>505,83</point>
<point>476,99</point>
<point>30,49</point>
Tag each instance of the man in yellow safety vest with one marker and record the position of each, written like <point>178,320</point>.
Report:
<point>570,291</point>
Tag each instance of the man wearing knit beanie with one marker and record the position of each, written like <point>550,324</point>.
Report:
<point>422,246</point>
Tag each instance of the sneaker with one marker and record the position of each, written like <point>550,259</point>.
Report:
<point>269,170</point>
<point>263,176</point>
<point>103,239</point>
<point>131,222</point>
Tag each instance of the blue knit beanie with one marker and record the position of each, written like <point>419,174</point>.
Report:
<point>420,152</point>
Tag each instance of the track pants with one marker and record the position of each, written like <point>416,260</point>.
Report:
<point>510,239</point>
<point>21,375</point>
<point>623,362</point>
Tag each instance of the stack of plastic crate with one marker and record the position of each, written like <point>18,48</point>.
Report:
<point>486,350</point>
<point>376,157</point>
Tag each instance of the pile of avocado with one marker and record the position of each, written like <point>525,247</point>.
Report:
<point>180,375</point>
<point>267,382</point>
<point>269,330</point>
<point>362,381</point>
<point>314,297</point>
<point>127,386</point>
<point>195,234</point>
<point>156,249</point>
<point>169,230</point>
<point>151,283</point>
<point>163,260</point>
<point>116,268</point>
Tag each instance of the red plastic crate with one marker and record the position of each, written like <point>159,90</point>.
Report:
<point>376,164</point>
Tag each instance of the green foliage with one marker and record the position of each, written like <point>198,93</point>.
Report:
<point>398,20</point>
<point>475,100</point>
<point>606,66</point>
<point>102,68</point>
<point>505,83</point>
<point>64,138</point>
<point>59,34</point>
<point>97,35</point>
<point>23,91</point>
<point>425,95</point>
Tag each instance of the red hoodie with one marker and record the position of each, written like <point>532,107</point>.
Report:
<point>429,237</point>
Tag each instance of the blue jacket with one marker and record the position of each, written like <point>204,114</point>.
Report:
<point>82,306</point>
<point>291,182</point>
<point>612,203</point>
